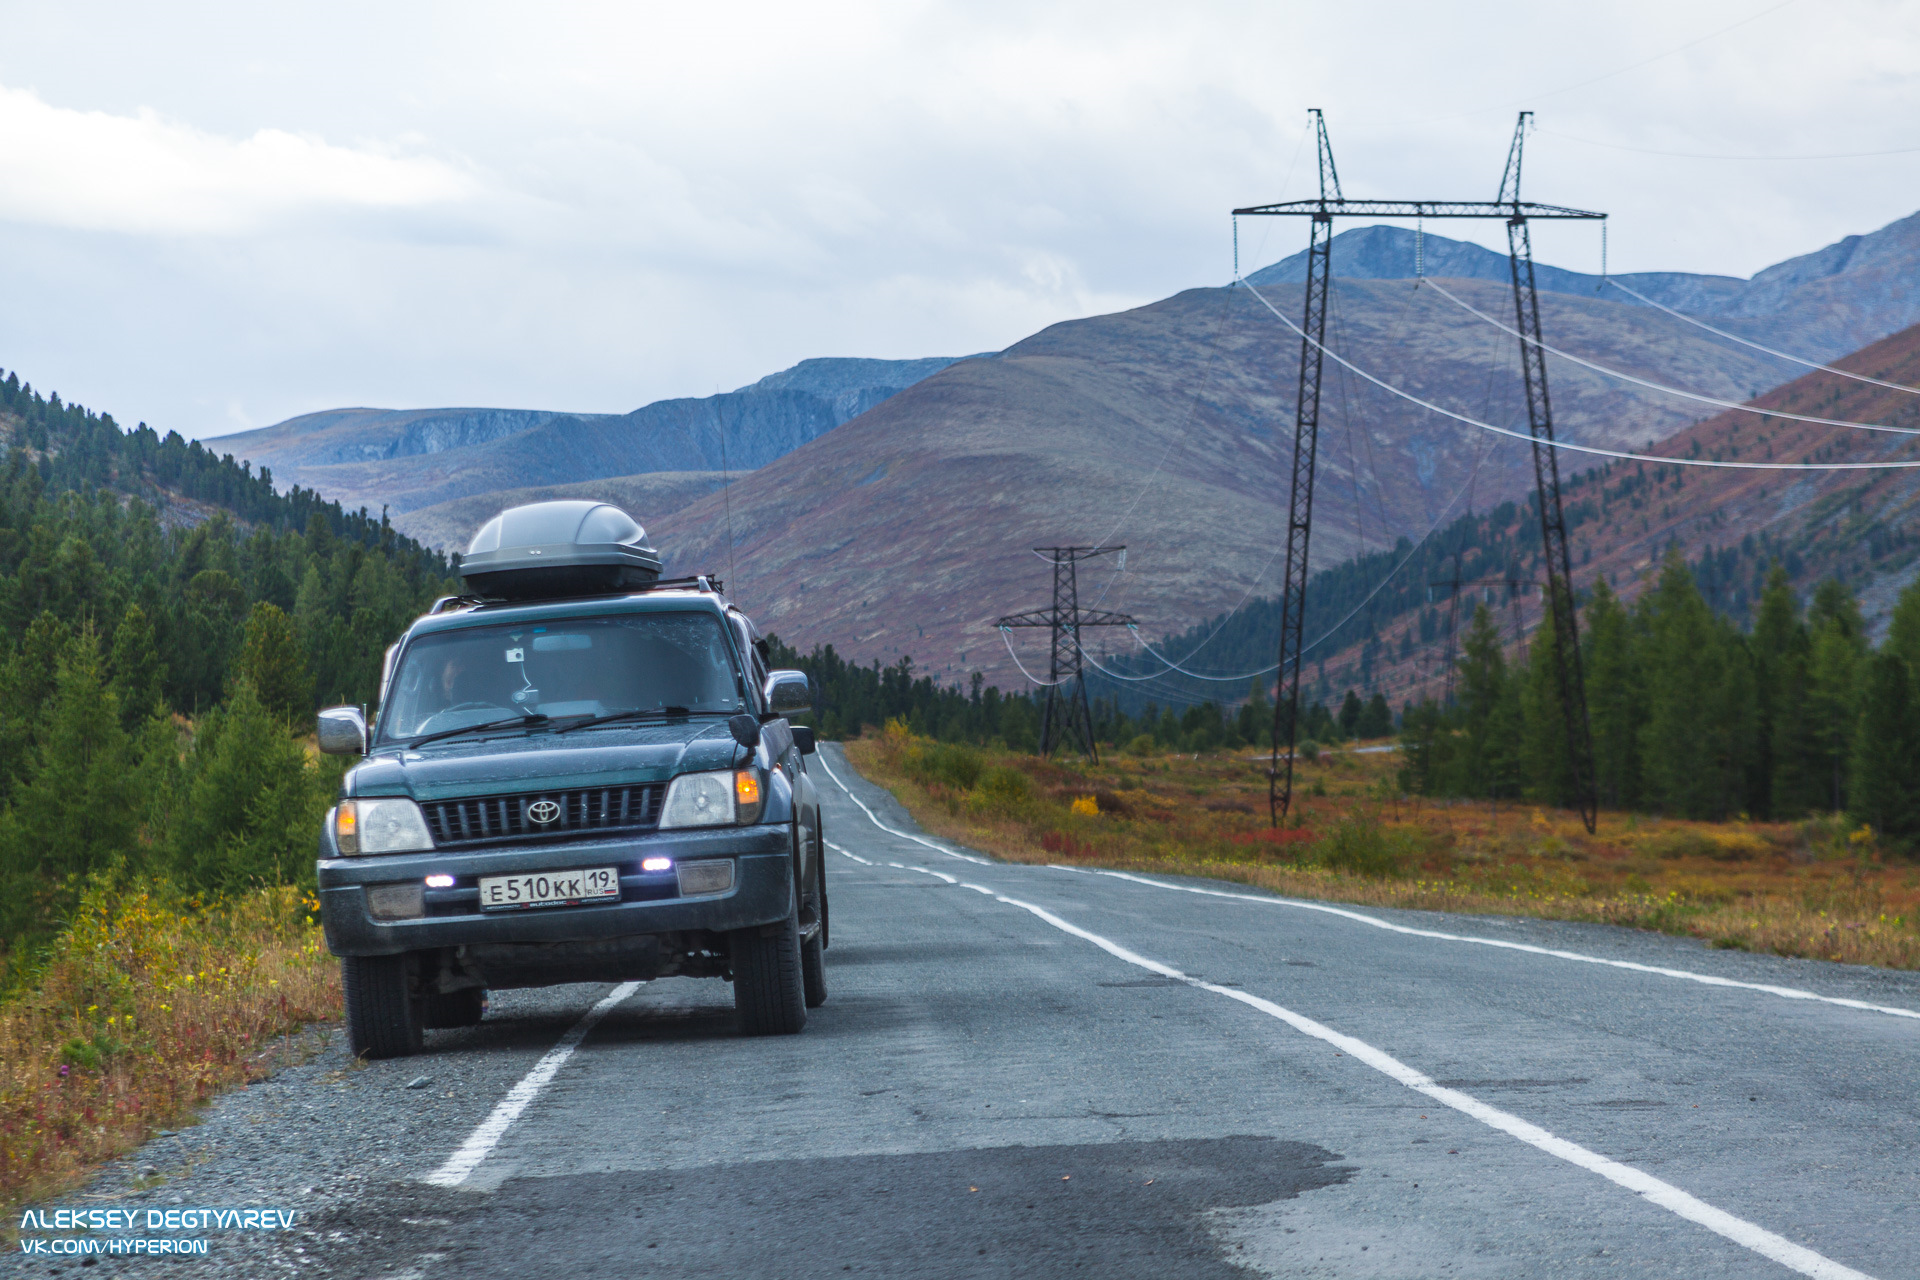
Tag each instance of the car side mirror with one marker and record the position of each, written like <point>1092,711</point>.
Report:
<point>803,739</point>
<point>342,731</point>
<point>745,731</point>
<point>788,691</point>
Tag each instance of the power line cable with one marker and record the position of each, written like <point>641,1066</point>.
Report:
<point>1748,342</point>
<point>1662,387</point>
<point>1595,450</point>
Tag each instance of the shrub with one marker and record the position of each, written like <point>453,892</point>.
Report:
<point>1143,745</point>
<point>1309,750</point>
<point>950,764</point>
<point>1357,844</point>
<point>1084,807</point>
<point>1005,787</point>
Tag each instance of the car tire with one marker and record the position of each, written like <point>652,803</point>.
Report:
<point>769,992</point>
<point>383,1013</point>
<point>813,968</point>
<point>463,1008</point>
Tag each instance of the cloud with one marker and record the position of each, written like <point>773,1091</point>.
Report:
<point>147,175</point>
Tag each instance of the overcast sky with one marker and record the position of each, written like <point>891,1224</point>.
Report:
<point>217,216</point>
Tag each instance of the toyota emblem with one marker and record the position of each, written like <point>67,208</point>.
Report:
<point>543,811</point>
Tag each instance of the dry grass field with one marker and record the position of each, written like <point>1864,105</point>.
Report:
<point>1816,888</point>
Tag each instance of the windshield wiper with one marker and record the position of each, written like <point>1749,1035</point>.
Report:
<point>642,713</point>
<point>525,718</point>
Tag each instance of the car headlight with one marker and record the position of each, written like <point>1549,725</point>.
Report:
<point>389,824</point>
<point>712,799</point>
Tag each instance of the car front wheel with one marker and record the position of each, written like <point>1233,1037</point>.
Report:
<point>769,992</point>
<point>384,1015</point>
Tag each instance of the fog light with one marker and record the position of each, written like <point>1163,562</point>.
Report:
<point>439,882</point>
<point>656,864</point>
<point>706,877</point>
<point>396,901</point>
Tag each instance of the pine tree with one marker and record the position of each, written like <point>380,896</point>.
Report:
<point>1886,753</point>
<point>273,661</point>
<point>138,674</point>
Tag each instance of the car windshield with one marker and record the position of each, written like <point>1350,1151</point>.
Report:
<point>451,680</point>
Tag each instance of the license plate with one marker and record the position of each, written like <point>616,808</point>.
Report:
<point>550,889</point>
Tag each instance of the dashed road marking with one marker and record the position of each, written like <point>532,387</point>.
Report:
<point>481,1142</point>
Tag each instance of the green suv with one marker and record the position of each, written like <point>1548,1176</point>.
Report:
<point>597,785</point>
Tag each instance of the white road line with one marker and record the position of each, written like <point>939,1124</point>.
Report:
<point>964,857</point>
<point>1665,1194</point>
<point>481,1142</point>
<point>843,853</point>
<point>1705,979</point>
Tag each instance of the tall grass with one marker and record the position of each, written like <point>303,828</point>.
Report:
<point>143,1008</point>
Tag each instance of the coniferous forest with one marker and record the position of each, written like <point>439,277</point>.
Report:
<point>168,625</point>
<point>1692,716</point>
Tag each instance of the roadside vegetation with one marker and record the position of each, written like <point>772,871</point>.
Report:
<point>1823,886</point>
<point>168,625</point>
<point>142,1009</point>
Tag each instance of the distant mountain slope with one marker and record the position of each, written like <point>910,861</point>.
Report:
<point>1862,527</point>
<point>1819,305</point>
<point>408,459</point>
<point>907,530</point>
<point>451,525</point>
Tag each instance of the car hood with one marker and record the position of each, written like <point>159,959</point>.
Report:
<point>615,755</point>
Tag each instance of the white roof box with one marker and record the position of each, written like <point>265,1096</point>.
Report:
<point>546,550</point>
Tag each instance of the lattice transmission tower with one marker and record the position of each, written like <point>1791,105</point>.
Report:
<point>1516,213</point>
<point>1067,715</point>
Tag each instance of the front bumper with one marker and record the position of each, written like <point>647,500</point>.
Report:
<point>762,892</point>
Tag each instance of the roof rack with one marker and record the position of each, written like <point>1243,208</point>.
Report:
<point>699,582</point>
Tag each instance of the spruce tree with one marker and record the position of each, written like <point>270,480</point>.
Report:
<point>1615,703</point>
<point>1778,647</point>
<point>1886,753</point>
<point>1377,720</point>
<point>1903,636</point>
<point>251,802</point>
<point>1833,705</point>
<point>1548,769</point>
<point>1489,712</point>
<point>1696,740</point>
<point>1350,712</point>
<point>138,676</point>
<point>273,661</point>
<point>75,810</point>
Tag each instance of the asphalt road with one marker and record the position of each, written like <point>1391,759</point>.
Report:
<point>1026,1071</point>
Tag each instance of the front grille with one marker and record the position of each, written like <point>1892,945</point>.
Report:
<point>487,819</point>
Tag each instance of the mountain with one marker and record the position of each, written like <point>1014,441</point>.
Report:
<point>408,459</point>
<point>451,525</point>
<point>1819,305</point>
<point>908,529</point>
<point>1861,527</point>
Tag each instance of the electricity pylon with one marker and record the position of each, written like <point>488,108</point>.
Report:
<point>1516,213</point>
<point>1067,714</point>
